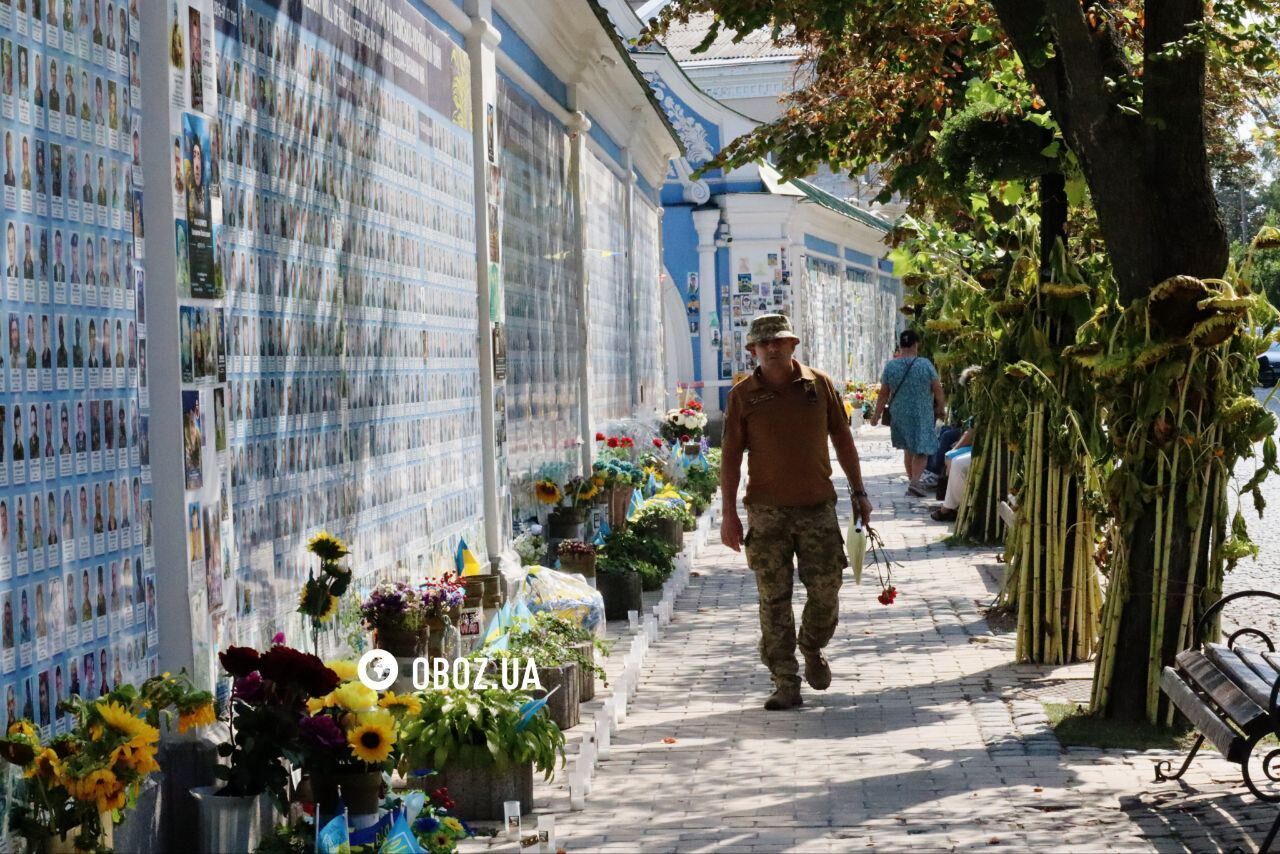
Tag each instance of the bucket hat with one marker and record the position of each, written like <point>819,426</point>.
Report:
<point>767,327</point>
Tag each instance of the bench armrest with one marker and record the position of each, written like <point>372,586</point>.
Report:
<point>1203,623</point>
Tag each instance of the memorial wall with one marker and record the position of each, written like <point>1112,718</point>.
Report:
<point>77,582</point>
<point>314,359</point>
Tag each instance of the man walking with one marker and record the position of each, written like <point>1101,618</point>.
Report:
<point>782,414</point>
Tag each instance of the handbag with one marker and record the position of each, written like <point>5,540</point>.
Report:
<point>887,420</point>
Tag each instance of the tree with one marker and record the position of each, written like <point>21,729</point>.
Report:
<point>1142,95</point>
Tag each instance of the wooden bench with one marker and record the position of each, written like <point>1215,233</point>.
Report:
<point>1229,693</point>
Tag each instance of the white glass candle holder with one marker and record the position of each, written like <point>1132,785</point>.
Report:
<point>547,831</point>
<point>602,737</point>
<point>511,818</point>
<point>577,791</point>
<point>633,620</point>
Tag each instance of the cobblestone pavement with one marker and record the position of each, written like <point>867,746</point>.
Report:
<point>928,739</point>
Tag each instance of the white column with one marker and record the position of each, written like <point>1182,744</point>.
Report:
<point>482,38</point>
<point>705,222</point>
<point>633,287</point>
<point>577,130</point>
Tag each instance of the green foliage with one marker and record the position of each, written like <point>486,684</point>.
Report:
<point>636,551</point>
<point>552,641</point>
<point>995,143</point>
<point>477,728</point>
<point>1075,727</point>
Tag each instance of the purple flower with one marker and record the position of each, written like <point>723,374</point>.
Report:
<point>277,639</point>
<point>322,731</point>
<point>248,688</point>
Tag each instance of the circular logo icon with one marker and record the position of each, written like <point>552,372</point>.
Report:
<point>377,669</point>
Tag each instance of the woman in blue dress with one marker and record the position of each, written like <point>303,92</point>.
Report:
<point>909,386</point>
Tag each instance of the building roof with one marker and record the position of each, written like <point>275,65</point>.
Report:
<point>755,46</point>
<point>775,184</point>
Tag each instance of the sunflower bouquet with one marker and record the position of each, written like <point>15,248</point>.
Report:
<point>320,594</point>
<point>92,774</point>
<point>353,728</point>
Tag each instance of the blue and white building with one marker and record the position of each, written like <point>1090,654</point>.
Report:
<point>745,242</point>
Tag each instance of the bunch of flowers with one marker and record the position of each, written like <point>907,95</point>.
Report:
<point>530,547</point>
<point>99,766</point>
<point>884,567</point>
<point>614,447</point>
<point>353,727</point>
<point>862,396</point>
<point>443,594</point>
<point>617,473</point>
<point>320,594</point>
<point>393,605</point>
<point>268,702</point>
<point>574,547</point>
<point>581,490</point>
<point>684,424</point>
<point>437,828</point>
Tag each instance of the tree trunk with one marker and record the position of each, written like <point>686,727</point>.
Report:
<point>1053,219</point>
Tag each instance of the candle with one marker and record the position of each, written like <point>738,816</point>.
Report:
<point>511,813</point>
<point>633,620</point>
<point>602,736</point>
<point>547,832</point>
<point>577,791</point>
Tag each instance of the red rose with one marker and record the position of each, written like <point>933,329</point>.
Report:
<point>628,442</point>
<point>239,661</point>
<point>613,442</point>
<point>684,438</point>
<point>657,443</point>
<point>599,437</point>
<point>289,666</point>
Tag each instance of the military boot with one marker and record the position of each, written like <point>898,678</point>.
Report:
<point>817,671</point>
<point>786,695</point>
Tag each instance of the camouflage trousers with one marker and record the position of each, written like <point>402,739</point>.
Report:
<point>812,535</point>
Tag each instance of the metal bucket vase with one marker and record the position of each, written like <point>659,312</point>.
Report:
<point>361,791</point>
<point>402,643</point>
<point>229,823</point>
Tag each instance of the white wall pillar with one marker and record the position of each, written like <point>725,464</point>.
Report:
<point>577,145</point>
<point>482,38</point>
<point>705,222</point>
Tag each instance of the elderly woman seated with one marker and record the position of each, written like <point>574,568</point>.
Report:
<point>958,461</point>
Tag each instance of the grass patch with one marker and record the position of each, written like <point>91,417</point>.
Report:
<point>1076,727</point>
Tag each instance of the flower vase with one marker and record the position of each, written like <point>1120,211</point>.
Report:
<point>230,823</point>
<point>619,501</point>
<point>565,523</point>
<point>361,792</point>
<point>581,564</point>
<point>401,642</point>
<point>66,844</point>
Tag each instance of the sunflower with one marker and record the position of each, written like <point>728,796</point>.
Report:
<point>46,765</point>
<point>441,841</point>
<point>120,719</point>
<point>547,492</point>
<point>401,703</point>
<point>330,608</point>
<point>201,715</point>
<point>135,756</point>
<point>452,825</point>
<point>355,696</point>
<point>102,787</point>
<point>371,741</point>
<point>22,727</point>
<point>345,669</point>
<point>327,547</point>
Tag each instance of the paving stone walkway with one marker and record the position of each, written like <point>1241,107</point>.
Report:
<point>929,738</point>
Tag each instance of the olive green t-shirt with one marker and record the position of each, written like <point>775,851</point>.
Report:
<point>785,432</point>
